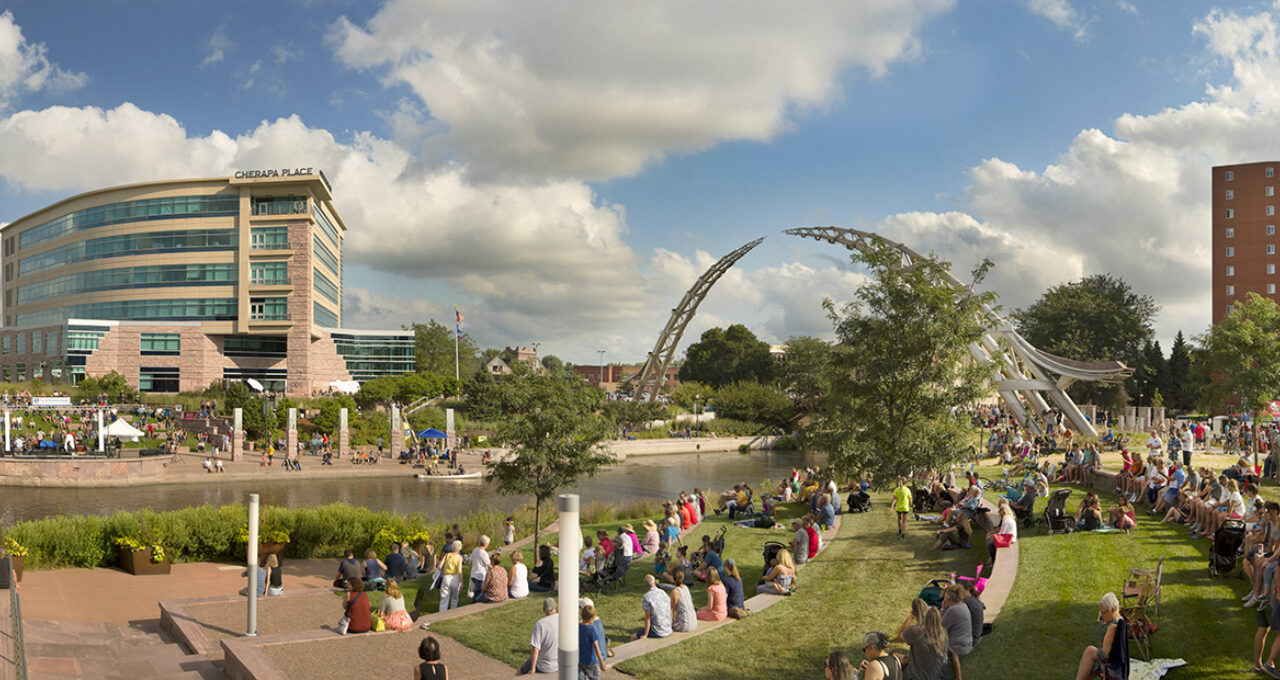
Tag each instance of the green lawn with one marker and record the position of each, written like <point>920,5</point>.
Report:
<point>503,633</point>
<point>865,580</point>
<point>1051,614</point>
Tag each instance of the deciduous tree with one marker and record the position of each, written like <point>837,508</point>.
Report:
<point>728,355</point>
<point>1239,357</point>
<point>901,365</point>
<point>554,435</point>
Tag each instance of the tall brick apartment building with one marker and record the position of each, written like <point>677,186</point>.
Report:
<point>1244,234</point>
<point>180,283</point>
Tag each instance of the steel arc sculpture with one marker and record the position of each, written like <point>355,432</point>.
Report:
<point>1025,373</point>
<point>654,371</point>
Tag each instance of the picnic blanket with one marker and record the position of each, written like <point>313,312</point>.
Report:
<point>1106,530</point>
<point>1153,669</point>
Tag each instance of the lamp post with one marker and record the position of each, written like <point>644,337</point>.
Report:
<point>601,382</point>
<point>696,410</point>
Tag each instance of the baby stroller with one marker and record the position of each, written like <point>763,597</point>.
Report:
<point>921,500</point>
<point>859,502</point>
<point>1226,546</point>
<point>771,550</point>
<point>1055,514</point>
<point>931,593</point>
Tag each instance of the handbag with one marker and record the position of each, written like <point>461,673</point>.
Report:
<point>1003,540</point>
<point>343,624</point>
<point>379,624</point>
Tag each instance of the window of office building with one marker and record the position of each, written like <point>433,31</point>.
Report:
<point>1230,308</point>
<point>20,372</point>
<point>1271,229</point>
<point>153,276</point>
<point>22,343</point>
<point>51,345</point>
<point>1229,176</point>
<point>253,346</point>
<point>1271,172</point>
<point>185,309</point>
<point>1271,269</point>
<point>325,286</point>
<point>1271,191</point>
<point>129,244</point>
<point>1271,289</point>
<point>325,225</point>
<point>1231,271</point>
<point>1231,194</point>
<point>37,343</point>
<point>278,205</point>
<point>325,255</point>
<point>274,273</point>
<point>6,344</point>
<point>1271,210</point>
<point>269,238</point>
<point>158,379</point>
<point>1231,252</point>
<point>161,344</point>
<point>269,309</point>
<point>1231,290</point>
<point>1231,214</point>
<point>83,341</point>
<point>170,208</point>
<point>1231,232</point>
<point>321,316</point>
<point>1271,249</point>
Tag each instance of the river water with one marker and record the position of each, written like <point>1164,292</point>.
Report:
<point>640,477</point>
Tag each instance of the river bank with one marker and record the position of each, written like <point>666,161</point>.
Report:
<point>188,468</point>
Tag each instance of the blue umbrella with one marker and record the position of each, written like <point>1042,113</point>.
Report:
<point>432,433</point>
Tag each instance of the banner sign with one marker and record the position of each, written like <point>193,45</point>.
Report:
<point>50,402</point>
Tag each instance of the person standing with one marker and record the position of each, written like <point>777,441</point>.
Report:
<point>450,568</point>
<point>479,567</point>
<point>590,647</point>
<point>902,505</point>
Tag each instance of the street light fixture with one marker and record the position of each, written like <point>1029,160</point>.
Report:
<point>696,411</point>
<point>601,381</point>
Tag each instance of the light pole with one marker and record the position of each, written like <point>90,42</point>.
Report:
<point>696,411</point>
<point>601,383</point>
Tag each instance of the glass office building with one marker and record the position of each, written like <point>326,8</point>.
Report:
<point>178,284</point>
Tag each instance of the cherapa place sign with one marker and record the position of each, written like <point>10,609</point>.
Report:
<point>284,172</point>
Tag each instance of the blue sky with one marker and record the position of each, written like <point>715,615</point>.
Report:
<point>565,172</point>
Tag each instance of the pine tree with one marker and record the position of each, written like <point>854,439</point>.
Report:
<point>1182,389</point>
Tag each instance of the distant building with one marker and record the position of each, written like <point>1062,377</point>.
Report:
<point>501,364</point>
<point>177,284</point>
<point>1243,234</point>
<point>613,376</point>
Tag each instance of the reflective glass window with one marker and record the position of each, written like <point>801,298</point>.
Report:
<point>191,309</point>
<point>325,255</point>
<point>275,273</point>
<point>129,244</point>
<point>327,287</point>
<point>128,277</point>
<point>269,238</point>
<point>174,207</point>
<point>322,316</point>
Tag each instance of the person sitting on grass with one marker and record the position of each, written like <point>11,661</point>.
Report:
<point>494,587</point>
<point>544,571</point>
<point>1261,555</point>
<point>657,611</point>
<point>923,632</point>
<point>684,619</point>
<point>544,642</point>
<point>396,565</point>
<point>734,597</point>
<point>780,577</point>
<point>879,664</point>
<point>827,510</point>
<point>518,588</point>
<point>431,667</point>
<point>1210,489</point>
<point>355,607</point>
<point>1169,496</point>
<point>1122,515</point>
<point>671,532</point>
<point>837,667</point>
<point>1111,659</point>
<point>392,609</point>
<point>1089,515</point>
<point>1230,505</point>
<point>710,560</point>
<point>955,533</point>
<point>717,608</point>
<point>652,541</point>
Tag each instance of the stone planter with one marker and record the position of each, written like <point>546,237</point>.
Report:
<point>138,562</point>
<point>276,549</point>
<point>18,560</point>
<point>4,569</point>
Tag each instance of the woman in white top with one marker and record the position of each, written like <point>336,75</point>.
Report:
<point>1154,444</point>
<point>519,587</point>
<point>1008,525</point>
<point>1230,504</point>
<point>392,608</point>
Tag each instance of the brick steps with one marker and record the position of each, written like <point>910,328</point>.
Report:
<point>78,650</point>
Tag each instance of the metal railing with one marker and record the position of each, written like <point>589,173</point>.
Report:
<point>15,614</point>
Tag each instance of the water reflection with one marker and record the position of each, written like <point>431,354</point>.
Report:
<point>647,477</point>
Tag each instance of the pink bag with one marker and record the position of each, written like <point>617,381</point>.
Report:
<point>977,582</point>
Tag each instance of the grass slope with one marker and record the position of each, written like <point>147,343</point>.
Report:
<point>1051,615</point>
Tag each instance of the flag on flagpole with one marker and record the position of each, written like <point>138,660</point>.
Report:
<point>459,325</point>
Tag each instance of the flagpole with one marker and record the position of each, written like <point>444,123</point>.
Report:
<point>456,341</point>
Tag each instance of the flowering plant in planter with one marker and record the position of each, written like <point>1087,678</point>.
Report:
<point>266,534</point>
<point>143,541</point>
<point>13,547</point>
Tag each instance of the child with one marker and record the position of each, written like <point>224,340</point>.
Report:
<point>509,532</point>
<point>660,564</point>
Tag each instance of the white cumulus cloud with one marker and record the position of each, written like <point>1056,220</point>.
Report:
<point>25,66</point>
<point>1064,15</point>
<point>557,88</point>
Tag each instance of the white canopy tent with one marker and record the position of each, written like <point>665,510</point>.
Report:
<point>344,386</point>
<point>125,431</point>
